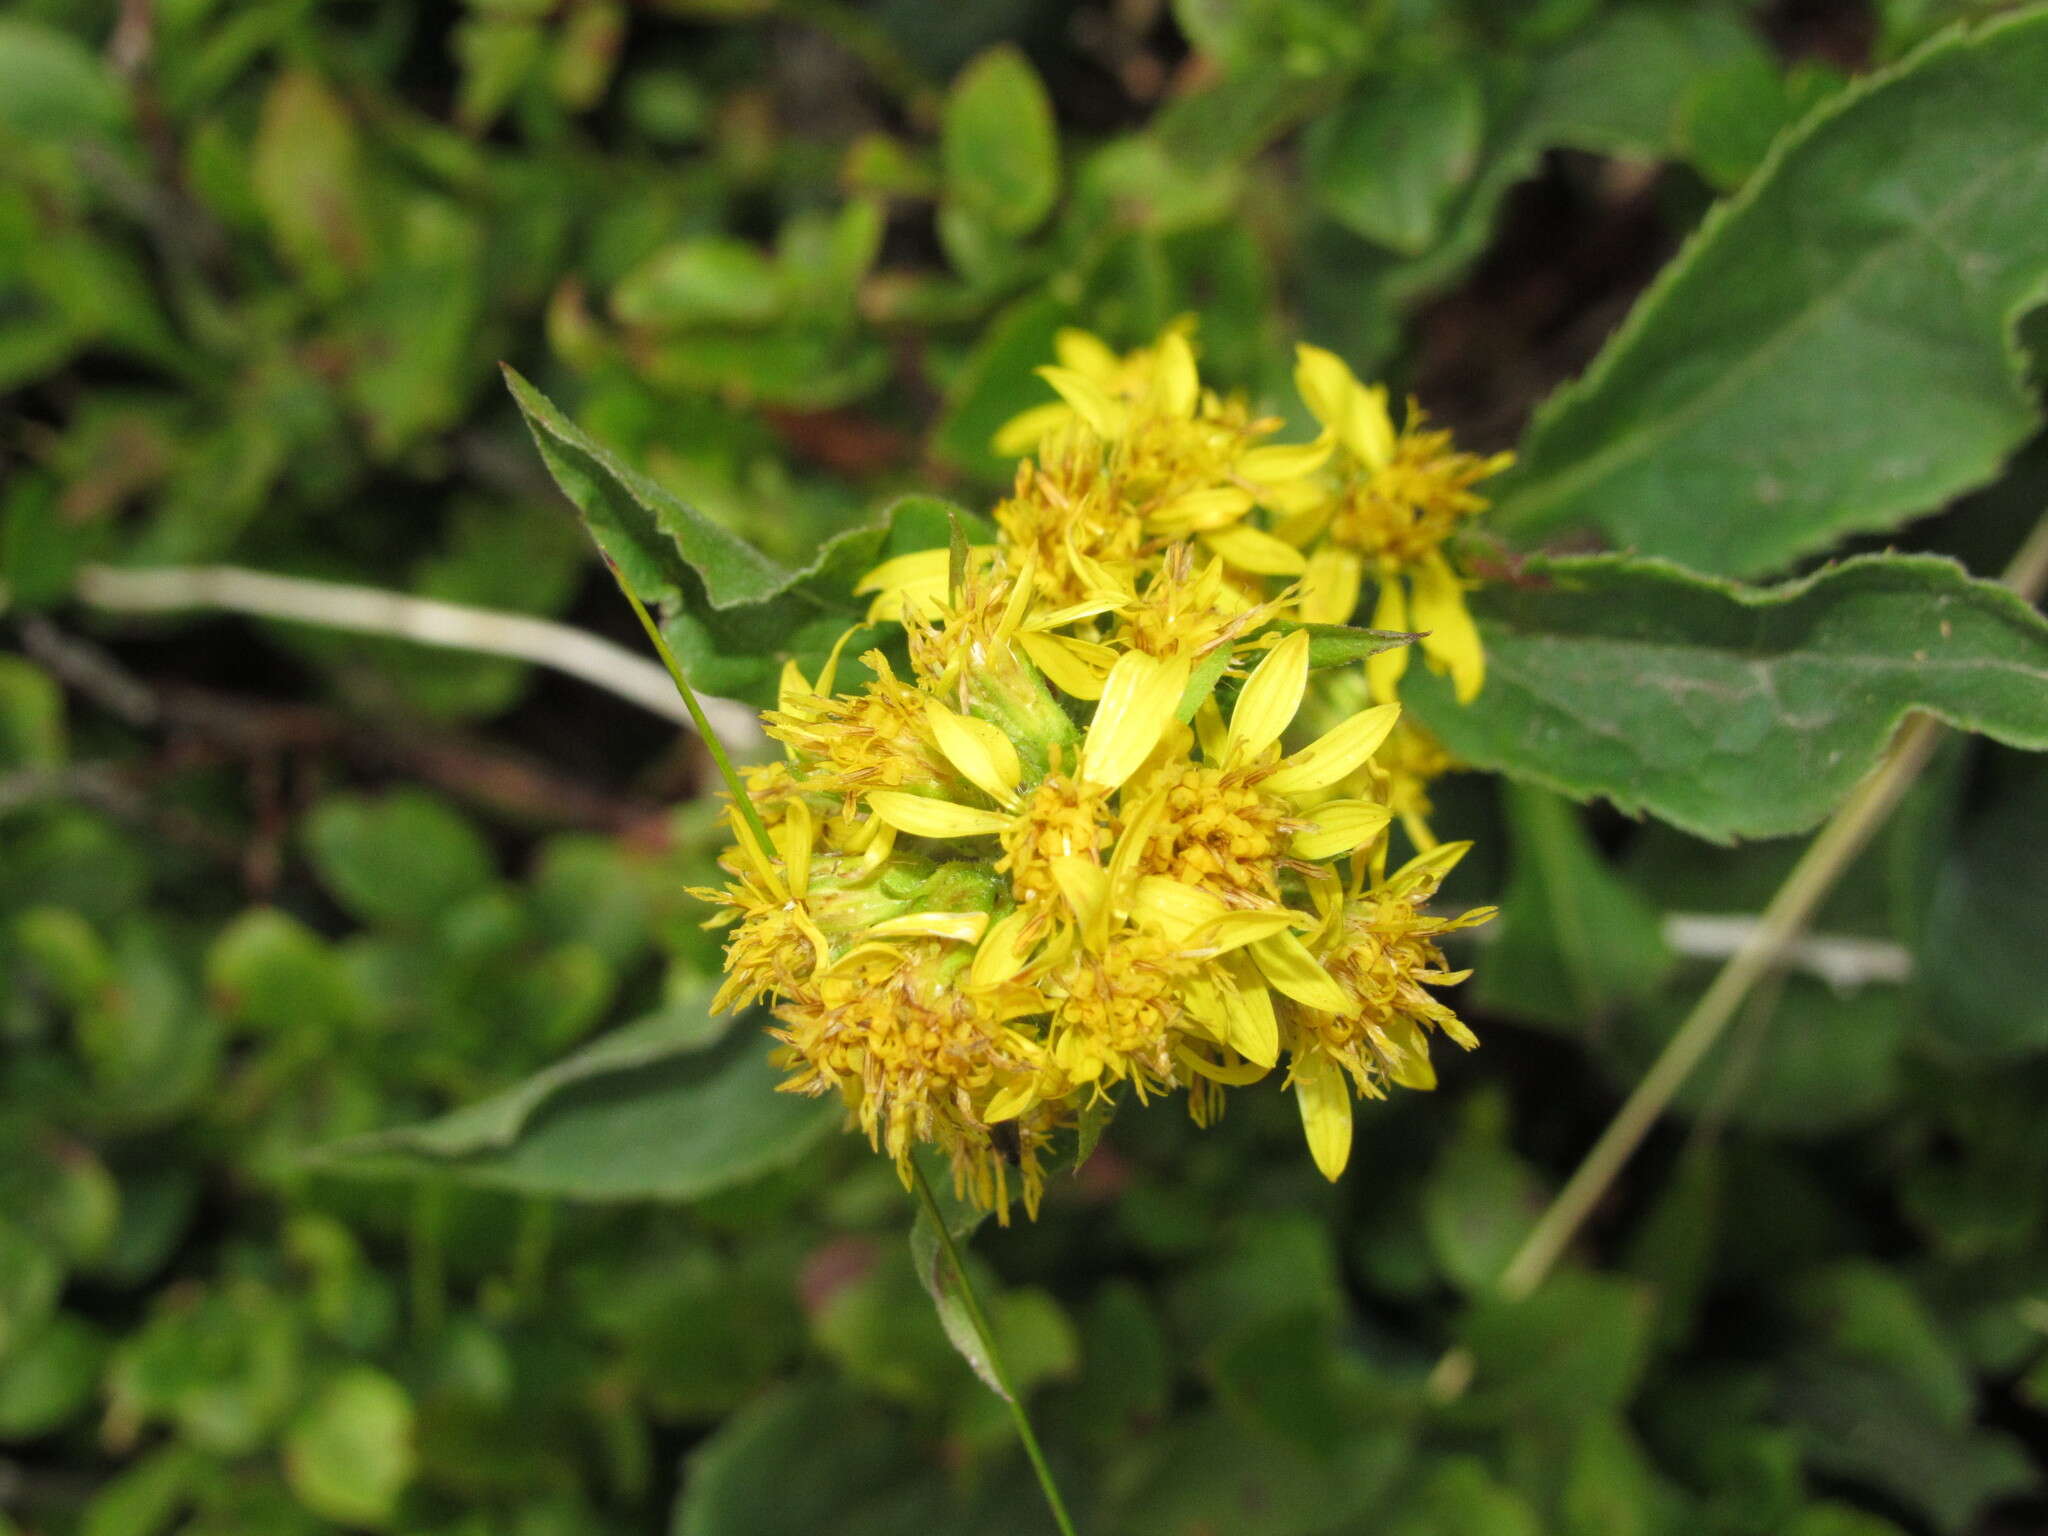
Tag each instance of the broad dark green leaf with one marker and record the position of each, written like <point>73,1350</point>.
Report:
<point>1834,351</point>
<point>1731,711</point>
<point>731,612</point>
<point>646,1114</point>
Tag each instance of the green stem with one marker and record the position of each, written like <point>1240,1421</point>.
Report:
<point>972,1304</point>
<point>734,785</point>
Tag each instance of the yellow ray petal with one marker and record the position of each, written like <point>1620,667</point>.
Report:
<point>1075,667</point>
<point>1138,699</point>
<point>1366,428</point>
<point>1211,507</point>
<point>1285,961</point>
<point>792,688</point>
<point>1085,352</point>
<point>1283,461</point>
<point>1254,1026</point>
<point>1226,931</point>
<point>1383,672</point>
<point>1022,433</point>
<point>922,816</point>
<point>1250,549</point>
<point>875,842</point>
<point>967,927</point>
<point>1329,589</point>
<point>985,757</point>
<point>1176,386</point>
<point>1073,613</point>
<point>1432,864</point>
<point>1003,952</point>
<point>1412,1068</point>
<point>1325,1102</point>
<point>1231,1077</point>
<point>1090,401</point>
<point>1341,825</point>
<point>793,841</point>
<point>1139,822</point>
<point>1085,884</point>
<point>1335,754</point>
<point>1210,730</point>
<point>919,567</point>
<point>1174,911</point>
<point>1012,1101</point>
<point>1270,698</point>
<point>1451,637</point>
<point>1323,382</point>
<point>762,861</point>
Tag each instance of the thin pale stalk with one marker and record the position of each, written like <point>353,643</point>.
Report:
<point>986,1335</point>
<point>735,786</point>
<point>1812,878</point>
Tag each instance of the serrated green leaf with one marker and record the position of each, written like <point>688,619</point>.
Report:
<point>646,1114</point>
<point>731,612</point>
<point>1731,711</point>
<point>1834,351</point>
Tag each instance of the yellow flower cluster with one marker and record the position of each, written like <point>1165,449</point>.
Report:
<point>1038,859</point>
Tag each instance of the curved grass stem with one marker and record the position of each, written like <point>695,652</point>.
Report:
<point>986,1335</point>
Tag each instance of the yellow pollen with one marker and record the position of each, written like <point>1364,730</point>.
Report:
<point>1218,833</point>
<point>1062,817</point>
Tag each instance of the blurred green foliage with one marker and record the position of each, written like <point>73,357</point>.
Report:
<point>367,1160</point>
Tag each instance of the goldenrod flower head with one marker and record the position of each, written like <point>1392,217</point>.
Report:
<point>1066,521</point>
<point>1070,853</point>
<point>1176,460</point>
<point>916,1057</point>
<point>1380,952</point>
<point>1393,501</point>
